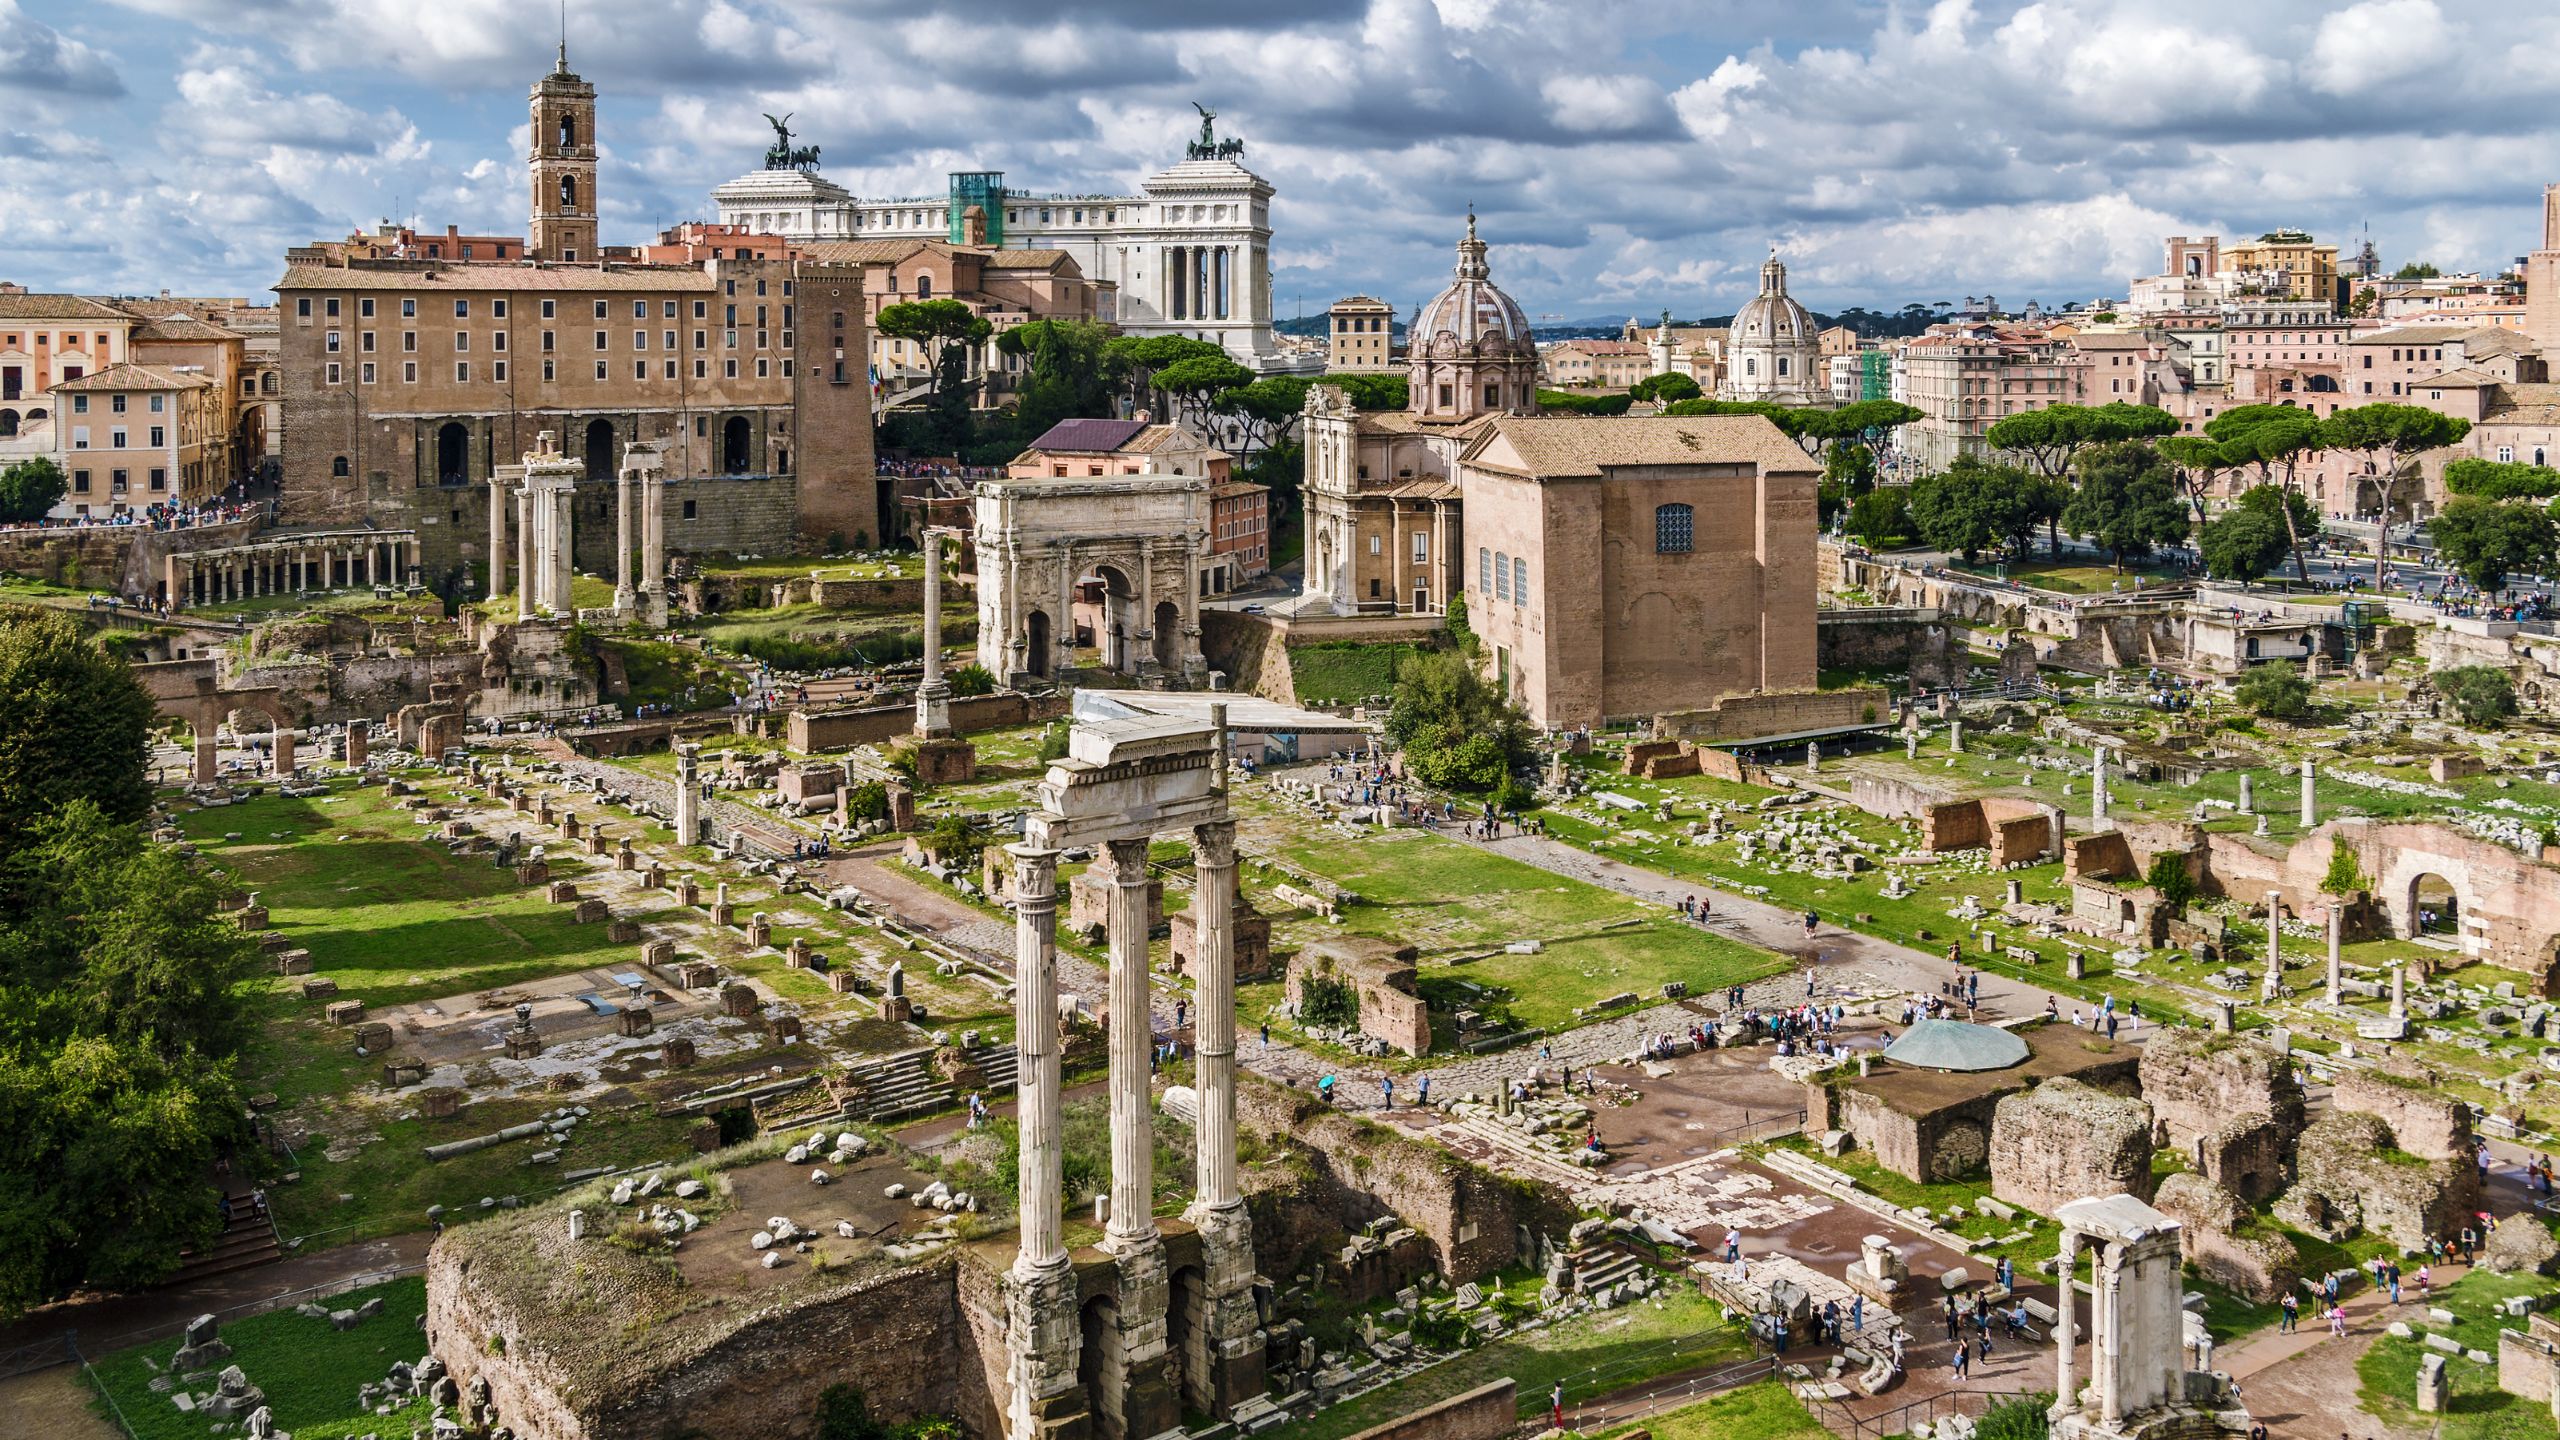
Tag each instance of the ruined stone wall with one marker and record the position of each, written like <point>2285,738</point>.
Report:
<point>1894,799</point>
<point>1950,1143</point>
<point>2509,903</point>
<point>1915,641</point>
<point>1364,1170</point>
<point>2064,1141</point>
<point>2529,1359</point>
<point>2347,1178</point>
<point>1487,1411</point>
<point>120,559</point>
<point>2199,1083</point>
<point>2106,855</point>
<point>1251,652</point>
<point>495,1298</point>
<point>2427,1124</point>
<point>812,731</point>
<point>981,1357</point>
<point>2260,1264</point>
<point>1748,717</point>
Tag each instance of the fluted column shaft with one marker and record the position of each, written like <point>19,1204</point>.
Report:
<point>497,537</point>
<point>1132,1042</point>
<point>1035,1039</point>
<point>1214,954</point>
<point>626,596</point>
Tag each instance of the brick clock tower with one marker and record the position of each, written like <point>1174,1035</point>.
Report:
<point>564,166</point>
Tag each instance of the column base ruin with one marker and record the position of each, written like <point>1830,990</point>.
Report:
<point>1234,1323</point>
<point>942,759</point>
<point>1145,1404</point>
<point>1043,1334</point>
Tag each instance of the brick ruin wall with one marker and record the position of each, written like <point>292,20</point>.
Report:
<point>1468,1215</point>
<point>817,731</point>
<point>1748,717</point>
<point>2064,1141</point>
<point>1916,642</point>
<point>2427,1124</point>
<point>1489,1410</point>
<point>123,559</point>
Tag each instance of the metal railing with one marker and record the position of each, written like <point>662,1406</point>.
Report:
<point>144,1335</point>
<point>1841,1420</point>
<point>41,1355</point>
<point>1762,1127</point>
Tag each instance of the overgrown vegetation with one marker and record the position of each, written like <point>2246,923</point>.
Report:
<point>1457,731</point>
<point>2276,690</point>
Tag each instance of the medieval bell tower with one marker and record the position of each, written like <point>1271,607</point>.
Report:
<point>564,167</point>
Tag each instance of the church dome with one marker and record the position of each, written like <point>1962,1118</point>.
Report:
<point>1473,315</point>
<point>1773,317</point>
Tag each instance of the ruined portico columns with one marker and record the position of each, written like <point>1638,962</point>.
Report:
<point>626,596</point>
<point>2066,1324</point>
<point>933,695</point>
<point>1213,909</point>
<point>1042,1336</point>
<point>497,539</point>
<point>1132,1222</point>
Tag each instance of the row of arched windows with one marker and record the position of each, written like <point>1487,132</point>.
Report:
<point>1504,577</point>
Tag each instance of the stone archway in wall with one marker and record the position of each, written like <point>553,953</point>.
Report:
<point>1187,1341</point>
<point>1115,631</point>
<point>2433,907</point>
<point>599,450</point>
<point>1103,1370</point>
<point>1168,637</point>
<point>1037,641</point>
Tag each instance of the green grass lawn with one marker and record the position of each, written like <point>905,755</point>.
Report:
<point>1593,1354</point>
<point>308,1369</point>
<point>1345,673</point>
<point>2071,577</point>
<point>1453,900</point>
<point>1764,1410</point>
<point>891,566</point>
<point>2479,1410</point>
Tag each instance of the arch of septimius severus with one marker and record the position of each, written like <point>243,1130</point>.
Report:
<point>1116,1348</point>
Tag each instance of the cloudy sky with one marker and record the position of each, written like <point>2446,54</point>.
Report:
<point>1625,157</point>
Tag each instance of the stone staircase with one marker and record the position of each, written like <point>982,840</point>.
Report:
<point>903,1086</point>
<point>247,1241</point>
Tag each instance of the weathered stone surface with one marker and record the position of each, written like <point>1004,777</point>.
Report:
<point>2352,1175</point>
<point>2231,1106</point>
<point>2522,1242</point>
<point>2223,1240</point>
<point>2423,1119</point>
<point>2065,1141</point>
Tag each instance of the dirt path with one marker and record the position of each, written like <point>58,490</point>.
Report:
<point>102,1321</point>
<point>56,1404</point>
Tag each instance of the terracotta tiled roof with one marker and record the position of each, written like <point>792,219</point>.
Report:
<point>133,377</point>
<point>498,279</point>
<point>56,307</point>
<point>2535,403</point>
<point>1091,437</point>
<point>1568,445</point>
<point>2467,378</point>
<point>2417,335</point>
<point>182,327</point>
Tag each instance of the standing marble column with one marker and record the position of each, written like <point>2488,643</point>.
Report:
<point>1035,1025</point>
<point>1132,1042</point>
<point>2274,983</point>
<point>1064,632</point>
<point>563,559</point>
<point>653,560</point>
<point>525,509</point>
<point>2310,809</point>
<point>2098,786</point>
<point>1213,899</point>
<point>626,595</point>
<point>688,795</point>
<point>933,696</point>
<point>2399,991</point>
<point>1043,1333</point>
<point>2248,800</point>
<point>2337,928</point>
<point>2066,1324</point>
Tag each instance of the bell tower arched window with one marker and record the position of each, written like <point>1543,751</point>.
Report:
<point>569,192</point>
<point>568,132</point>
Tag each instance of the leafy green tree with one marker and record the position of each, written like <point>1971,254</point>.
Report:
<point>2243,545</point>
<point>1140,358</point>
<point>1195,384</point>
<point>2272,438</point>
<point>1457,730</point>
<point>2275,689</point>
<point>2168,875</point>
<point>1455,617</point>
<point>2397,433</point>
<point>122,1024</point>
<point>2346,874</point>
<point>30,489</point>
<point>973,679</point>
<point>1969,507</point>
<point>2501,479</point>
<point>1071,375</point>
<point>1667,387</point>
<point>2127,501</point>
<point>1268,408</point>
<point>942,324</point>
<point>1565,402</point>
<point>72,724</point>
<point>2482,695</point>
<point>1769,410</point>
<point>1881,516</point>
<point>868,801</point>
<point>2050,438</point>
<point>1372,391</point>
<point>1851,466</point>
<point>2195,460</point>
<point>2417,270</point>
<point>956,839</point>
<point>2485,541</point>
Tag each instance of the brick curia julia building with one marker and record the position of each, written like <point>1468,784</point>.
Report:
<point>408,380</point>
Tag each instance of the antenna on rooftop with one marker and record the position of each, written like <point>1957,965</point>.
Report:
<point>564,37</point>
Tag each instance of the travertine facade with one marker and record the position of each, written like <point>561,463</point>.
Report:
<point>1136,542</point>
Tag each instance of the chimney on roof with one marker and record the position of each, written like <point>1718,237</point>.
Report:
<point>1140,415</point>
